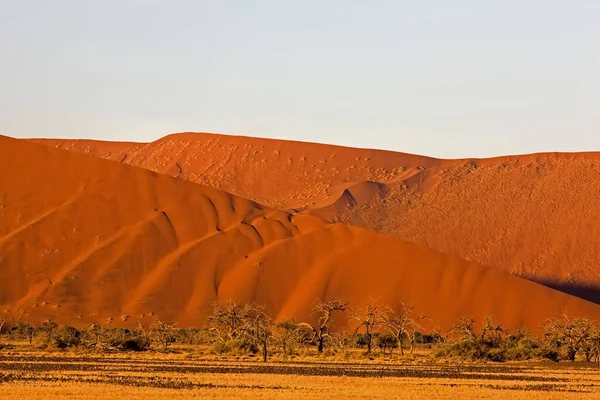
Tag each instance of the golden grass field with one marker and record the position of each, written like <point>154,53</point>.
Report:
<point>154,375</point>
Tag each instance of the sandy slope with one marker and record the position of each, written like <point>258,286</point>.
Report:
<point>87,240</point>
<point>276,173</point>
<point>535,216</point>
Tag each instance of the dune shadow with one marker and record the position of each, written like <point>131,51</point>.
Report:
<point>586,292</point>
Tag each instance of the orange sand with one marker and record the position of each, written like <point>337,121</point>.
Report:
<point>87,240</point>
<point>535,216</point>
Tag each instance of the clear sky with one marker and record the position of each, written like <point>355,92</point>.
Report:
<point>441,78</point>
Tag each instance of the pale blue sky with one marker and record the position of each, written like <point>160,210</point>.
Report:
<point>442,78</point>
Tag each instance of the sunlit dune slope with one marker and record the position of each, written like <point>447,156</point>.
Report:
<point>277,173</point>
<point>535,216</point>
<point>86,240</point>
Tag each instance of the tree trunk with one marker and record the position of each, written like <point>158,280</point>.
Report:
<point>399,341</point>
<point>369,340</point>
<point>320,347</point>
<point>265,351</point>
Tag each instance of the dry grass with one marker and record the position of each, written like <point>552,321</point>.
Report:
<point>153,375</point>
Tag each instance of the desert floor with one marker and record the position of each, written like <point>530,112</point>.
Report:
<point>153,376</point>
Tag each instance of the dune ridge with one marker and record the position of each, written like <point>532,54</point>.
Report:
<point>255,168</point>
<point>86,240</point>
<point>533,216</point>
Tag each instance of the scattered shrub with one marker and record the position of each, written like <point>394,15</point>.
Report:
<point>247,330</point>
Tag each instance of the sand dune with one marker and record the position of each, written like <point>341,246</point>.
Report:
<point>86,240</point>
<point>534,216</point>
<point>280,174</point>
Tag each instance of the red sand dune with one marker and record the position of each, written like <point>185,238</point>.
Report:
<point>86,240</point>
<point>279,174</point>
<point>535,216</point>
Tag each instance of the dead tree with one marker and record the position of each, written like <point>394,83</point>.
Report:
<point>3,321</point>
<point>93,334</point>
<point>26,330</point>
<point>491,331</point>
<point>287,334</point>
<point>368,318</point>
<point>463,330</point>
<point>591,347</point>
<point>227,321</point>
<point>191,335</point>
<point>162,332</point>
<point>324,309</point>
<point>258,326</point>
<point>400,323</point>
<point>569,335</point>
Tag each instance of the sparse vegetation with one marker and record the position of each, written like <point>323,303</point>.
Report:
<point>161,332</point>
<point>325,310</point>
<point>246,330</point>
<point>3,320</point>
<point>571,336</point>
<point>368,318</point>
<point>402,324</point>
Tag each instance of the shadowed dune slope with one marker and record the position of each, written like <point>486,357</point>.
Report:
<point>534,216</point>
<point>87,240</point>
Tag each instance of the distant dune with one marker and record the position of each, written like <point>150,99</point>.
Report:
<point>279,174</point>
<point>535,216</point>
<point>86,240</point>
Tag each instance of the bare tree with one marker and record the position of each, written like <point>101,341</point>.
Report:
<point>401,323</point>
<point>258,326</point>
<point>463,330</point>
<point>227,321</point>
<point>341,339</point>
<point>368,318</point>
<point>491,331</point>
<point>191,335</point>
<point>569,335</point>
<point>591,346</point>
<point>92,335</point>
<point>287,334</point>
<point>3,321</point>
<point>24,329</point>
<point>324,309</point>
<point>162,332</point>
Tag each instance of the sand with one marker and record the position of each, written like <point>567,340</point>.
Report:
<point>85,240</point>
<point>534,216</point>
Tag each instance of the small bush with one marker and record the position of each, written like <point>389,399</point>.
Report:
<point>126,340</point>
<point>224,347</point>
<point>548,354</point>
<point>64,337</point>
<point>386,342</point>
<point>134,343</point>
